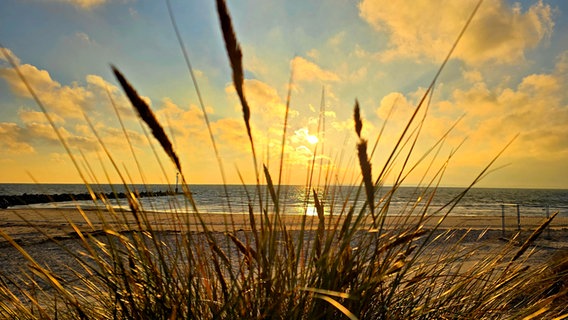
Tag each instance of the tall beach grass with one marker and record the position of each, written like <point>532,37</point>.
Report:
<point>346,261</point>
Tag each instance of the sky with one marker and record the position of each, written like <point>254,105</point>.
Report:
<point>506,79</point>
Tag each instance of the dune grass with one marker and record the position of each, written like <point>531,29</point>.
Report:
<point>344,262</point>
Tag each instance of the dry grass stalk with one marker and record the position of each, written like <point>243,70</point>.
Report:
<point>357,119</point>
<point>331,271</point>
<point>235,58</point>
<point>364,162</point>
<point>148,116</point>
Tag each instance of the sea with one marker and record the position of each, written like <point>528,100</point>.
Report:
<point>297,200</point>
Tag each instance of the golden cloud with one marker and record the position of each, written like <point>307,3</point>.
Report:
<point>29,116</point>
<point>13,140</point>
<point>10,54</point>
<point>305,70</point>
<point>231,135</point>
<point>267,108</point>
<point>423,29</point>
<point>67,101</point>
<point>187,126</point>
<point>535,109</point>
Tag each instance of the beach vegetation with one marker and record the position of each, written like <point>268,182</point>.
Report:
<point>339,259</point>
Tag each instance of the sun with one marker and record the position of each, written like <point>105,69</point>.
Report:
<point>312,139</point>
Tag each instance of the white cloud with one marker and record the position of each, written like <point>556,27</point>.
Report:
<point>302,136</point>
<point>424,29</point>
<point>83,38</point>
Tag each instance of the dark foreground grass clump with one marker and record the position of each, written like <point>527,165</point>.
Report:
<point>346,261</point>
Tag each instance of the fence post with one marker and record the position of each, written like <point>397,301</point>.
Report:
<point>518,217</point>
<point>503,220</point>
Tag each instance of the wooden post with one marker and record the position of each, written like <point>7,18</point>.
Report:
<point>518,217</point>
<point>503,220</point>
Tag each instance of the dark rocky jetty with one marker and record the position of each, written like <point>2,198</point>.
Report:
<point>23,199</point>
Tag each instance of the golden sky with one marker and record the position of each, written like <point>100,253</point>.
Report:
<point>507,77</point>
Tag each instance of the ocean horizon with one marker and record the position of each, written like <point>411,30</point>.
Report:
<point>295,199</point>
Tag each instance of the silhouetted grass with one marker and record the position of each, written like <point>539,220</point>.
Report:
<point>343,262</point>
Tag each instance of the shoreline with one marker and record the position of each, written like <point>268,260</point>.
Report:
<point>21,223</point>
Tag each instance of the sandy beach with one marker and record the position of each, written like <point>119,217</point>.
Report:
<point>19,223</point>
<point>31,228</point>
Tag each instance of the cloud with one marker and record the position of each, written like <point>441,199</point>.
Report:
<point>255,64</point>
<point>99,88</point>
<point>83,38</point>
<point>395,107</point>
<point>303,136</point>
<point>231,137</point>
<point>83,4</point>
<point>113,137</point>
<point>337,39</point>
<point>184,124</point>
<point>265,102</point>
<point>10,54</point>
<point>68,101</point>
<point>21,139</point>
<point>264,99</point>
<point>472,76</point>
<point>66,105</point>
<point>425,30</point>
<point>38,79</point>
<point>536,109</point>
<point>13,140</point>
<point>562,63</point>
<point>313,53</point>
<point>358,75</point>
<point>29,116</point>
<point>305,70</point>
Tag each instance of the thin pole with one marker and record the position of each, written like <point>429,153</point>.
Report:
<point>503,220</point>
<point>177,175</point>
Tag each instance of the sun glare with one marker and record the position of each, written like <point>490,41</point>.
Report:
<point>312,139</point>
